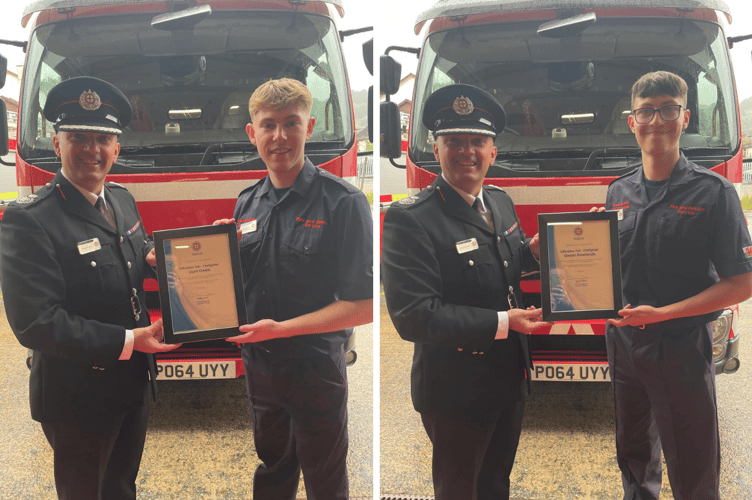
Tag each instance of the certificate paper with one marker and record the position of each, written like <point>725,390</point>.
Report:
<point>580,266</point>
<point>200,283</point>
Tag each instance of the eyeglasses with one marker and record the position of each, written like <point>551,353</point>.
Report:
<point>669,113</point>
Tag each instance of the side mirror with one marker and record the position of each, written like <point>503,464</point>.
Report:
<point>3,129</point>
<point>391,137</point>
<point>368,55</point>
<point>391,71</point>
<point>368,59</point>
<point>3,70</point>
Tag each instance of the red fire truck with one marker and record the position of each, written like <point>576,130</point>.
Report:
<point>188,69</point>
<point>563,71</point>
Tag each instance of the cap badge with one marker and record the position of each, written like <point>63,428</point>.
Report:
<point>463,106</point>
<point>89,100</point>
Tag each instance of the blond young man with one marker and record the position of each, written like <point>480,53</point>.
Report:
<point>306,251</point>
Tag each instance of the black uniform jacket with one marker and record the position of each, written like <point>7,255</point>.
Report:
<point>443,294</point>
<point>678,244</point>
<point>309,249</point>
<point>68,298</point>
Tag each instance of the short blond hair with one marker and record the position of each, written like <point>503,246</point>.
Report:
<point>280,94</point>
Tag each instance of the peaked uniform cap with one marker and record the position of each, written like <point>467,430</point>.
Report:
<point>463,109</point>
<point>88,104</point>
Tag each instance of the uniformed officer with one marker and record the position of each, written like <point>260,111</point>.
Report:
<point>307,258</point>
<point>451,277</point>
<point>73,257</point>
<point>685,255</point>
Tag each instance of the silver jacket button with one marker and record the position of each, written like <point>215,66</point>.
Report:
<point>470,263</point>
<point>93,264</point>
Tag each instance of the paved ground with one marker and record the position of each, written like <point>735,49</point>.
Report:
<point>199,445</point>
<point>567,449</point>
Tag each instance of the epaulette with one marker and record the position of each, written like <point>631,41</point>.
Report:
<point>416,199</point>
<point>114,184</point>
<point>631,172</point>
<point>410,200</point>
<point>33,198</point>
<point>27,200</point>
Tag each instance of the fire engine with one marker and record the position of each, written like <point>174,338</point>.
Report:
<point>188,69</point>
<point>563,71</point>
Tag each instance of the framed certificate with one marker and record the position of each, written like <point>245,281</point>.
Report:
<point>200,283</point>
<point>580,265</point>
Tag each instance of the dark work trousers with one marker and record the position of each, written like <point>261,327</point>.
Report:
<point>664,394</point>
<point>473,460</point>
<point>299,408</point>
<point>98,466</point>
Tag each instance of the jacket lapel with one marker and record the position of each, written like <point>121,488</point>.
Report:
<point>76,204</point>
<point>456,206</point>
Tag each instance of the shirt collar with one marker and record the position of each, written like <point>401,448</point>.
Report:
<point>470,199</point>
<point>302,181</point>
<point>90,197</point>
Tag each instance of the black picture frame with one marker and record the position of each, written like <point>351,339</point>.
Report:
<point>213,274</point>
<point>593,266</point>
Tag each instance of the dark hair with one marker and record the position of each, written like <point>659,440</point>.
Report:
<point>660,83</point>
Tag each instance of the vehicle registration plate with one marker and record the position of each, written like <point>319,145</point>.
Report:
<point>574,372</point>
<point>195,370</point>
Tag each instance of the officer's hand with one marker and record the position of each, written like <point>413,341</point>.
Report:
<point>151,339</point>
<point>638,316</point>
<point>535,246</point>
<point>598,209</point>
<point>526,320</point>
<point>264,329</point>
<point>151,258</point>
<point>227,221</point>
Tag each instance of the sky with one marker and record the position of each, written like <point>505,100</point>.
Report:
<point>394,21</point>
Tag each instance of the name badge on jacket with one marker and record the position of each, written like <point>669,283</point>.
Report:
<point>467,245</point>
<point>89,246</point>
<point>248,227</point>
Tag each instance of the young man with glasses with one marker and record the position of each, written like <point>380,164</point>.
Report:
<point>684,257</point>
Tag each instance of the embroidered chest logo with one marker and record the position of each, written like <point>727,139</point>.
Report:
<point>687,210</point>
<point>312,223</point>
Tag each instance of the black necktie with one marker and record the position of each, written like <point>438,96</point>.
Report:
<point>477,208</point>
<point>100,205</point>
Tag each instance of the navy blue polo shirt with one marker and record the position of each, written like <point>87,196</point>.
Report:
<point>302,251</point>
<point>678,244</point>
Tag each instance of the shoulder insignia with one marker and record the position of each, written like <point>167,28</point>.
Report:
<point>410,200</point>
<point>115,184</point>
<point>24,201</point>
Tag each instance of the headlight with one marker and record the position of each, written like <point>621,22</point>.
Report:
<point>719,350</point>
<point>722,327</point>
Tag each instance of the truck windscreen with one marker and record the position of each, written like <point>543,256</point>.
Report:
<point>568,99</point>
<point>189,88</point>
